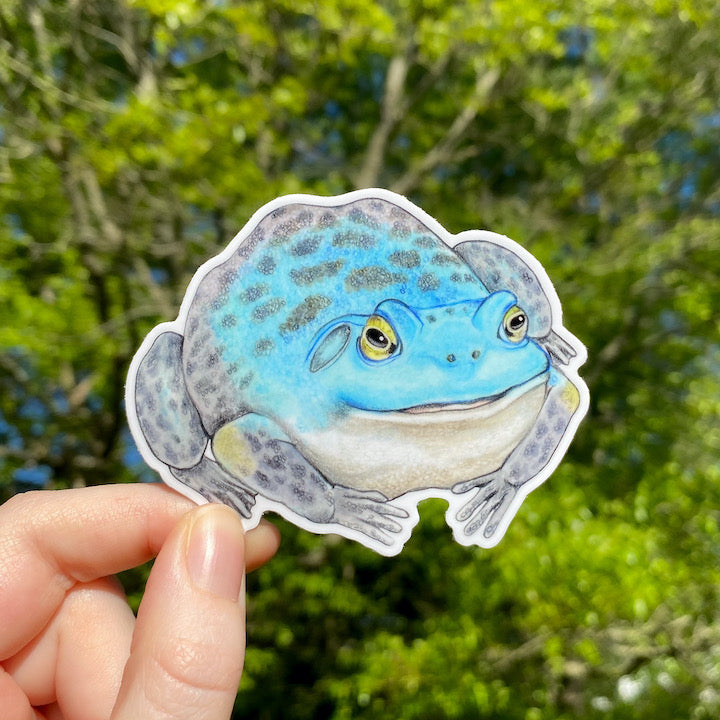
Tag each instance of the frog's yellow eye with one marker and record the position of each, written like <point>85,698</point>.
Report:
<point>515,324</point>
<point>378,340</point>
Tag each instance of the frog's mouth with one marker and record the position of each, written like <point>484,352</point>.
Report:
<point>432,445</point>
<point>454,406</point>
<point>478,407</point>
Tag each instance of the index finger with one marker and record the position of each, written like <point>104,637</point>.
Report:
<point>49,540</point>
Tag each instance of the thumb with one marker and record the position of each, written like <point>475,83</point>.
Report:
<point>189,641</point>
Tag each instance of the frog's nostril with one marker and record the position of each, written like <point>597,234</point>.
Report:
<point>475,354</point>
<point>451,358</point>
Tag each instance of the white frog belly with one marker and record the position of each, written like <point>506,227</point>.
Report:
<point>433,446</point>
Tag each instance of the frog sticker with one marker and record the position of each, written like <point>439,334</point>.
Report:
<point>345,358</point>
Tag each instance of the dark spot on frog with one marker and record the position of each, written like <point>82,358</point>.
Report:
<point>427,282</point>
<point>425,241</point>
<point>405,258</point>
<point>263,347</point>
<point>197,346</point>
<point>281,232</point>
<point>314,273</point>
<point>353,239</point>
<point>254,442</point>
<point>400,229</point>
<point>228,277</point>
<point>444,260</point>
<point>305,312</point>
<point>361,218</point>
<point>327,220</point>
<point>306,246</point>
<point>305,219</point>
<point>276,462</point>
<point>298,471</point>
<point>207,388</point>
<point>219,302</point>
<point>228,321</point>
<point>372,277</point>
<point>262,479</point>
<point>254,292</point>
<point>255,238</point>
<point>266,265</point>
<point>245,380</point>
<point>301,495</point>
<point>292,226</point>
<point>264,311</point>
<point>431,318</point>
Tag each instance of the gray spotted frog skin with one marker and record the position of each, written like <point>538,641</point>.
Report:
<point>345,358</point>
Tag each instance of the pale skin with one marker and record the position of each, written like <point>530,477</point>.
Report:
<point>70,646</point>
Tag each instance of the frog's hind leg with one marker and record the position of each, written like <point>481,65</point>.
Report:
<point>171,429</point>
<point>258,450</point>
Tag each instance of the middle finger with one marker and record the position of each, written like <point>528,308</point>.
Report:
<point>79,657</point>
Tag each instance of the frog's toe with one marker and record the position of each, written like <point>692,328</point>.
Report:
<point>242,503</point>
<point>373,517</point>
<point>372,531</point>
<point>467,485</point>
<point>486,510</point>
<point>369,513</point>
<point>380,504</point>
<point>480,499</point>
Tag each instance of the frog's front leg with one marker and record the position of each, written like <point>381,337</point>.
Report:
<point>258,451</point>
<point>496,493</point>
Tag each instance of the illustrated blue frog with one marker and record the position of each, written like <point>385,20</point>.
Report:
<point>345,358</point>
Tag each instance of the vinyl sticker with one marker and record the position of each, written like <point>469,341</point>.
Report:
<point>346,357</point>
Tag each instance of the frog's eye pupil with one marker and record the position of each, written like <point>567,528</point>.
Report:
<point>517,322</point>
<point>377,338</point>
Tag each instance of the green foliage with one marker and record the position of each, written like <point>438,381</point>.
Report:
<point>136,137</point>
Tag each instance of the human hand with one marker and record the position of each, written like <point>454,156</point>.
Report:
<point>70,646</point>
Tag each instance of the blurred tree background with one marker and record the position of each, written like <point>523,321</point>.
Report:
<point>137,137</point>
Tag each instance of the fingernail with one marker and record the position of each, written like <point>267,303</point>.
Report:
<point>215,552</point>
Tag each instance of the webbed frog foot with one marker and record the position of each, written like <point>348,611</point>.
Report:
<point>487,508</point>
<point>367,512</point>
<point>216,485</point>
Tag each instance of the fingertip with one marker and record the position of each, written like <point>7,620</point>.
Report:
<point>261,543</point>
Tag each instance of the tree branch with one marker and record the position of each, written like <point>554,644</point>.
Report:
<point>393,108</point>
<point>443,150</point>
